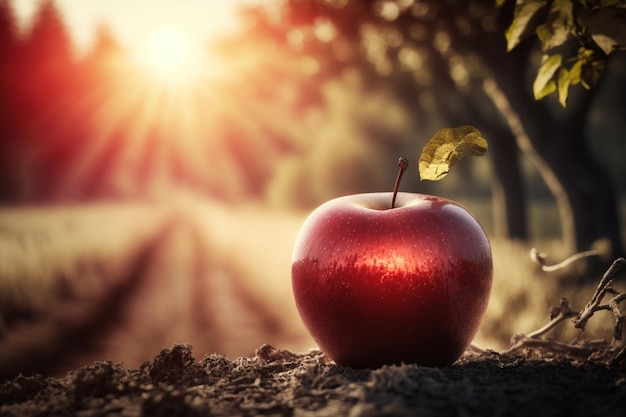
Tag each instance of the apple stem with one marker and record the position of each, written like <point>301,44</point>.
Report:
<point>403,163</point>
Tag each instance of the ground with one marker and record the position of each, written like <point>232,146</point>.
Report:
<point>280,383</point>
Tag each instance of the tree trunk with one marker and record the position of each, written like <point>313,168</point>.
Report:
<point>555,143</point>
<point>558,148</point>
<point>588,186</point>
<point>509,200</point>
<point>522,136</point>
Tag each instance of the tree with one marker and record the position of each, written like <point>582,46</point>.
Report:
<point>106,53</point>
<point>46,59</point>
<point>8,51</point>
<point>48,90</point>
<point>8,29</point>
<point>449,59</point>
<point>48,37</point>
<point>596,28</point>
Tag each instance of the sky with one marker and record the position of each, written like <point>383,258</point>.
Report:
<point>133,20</point>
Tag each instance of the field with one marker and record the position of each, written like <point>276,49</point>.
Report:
<point>122,281</point>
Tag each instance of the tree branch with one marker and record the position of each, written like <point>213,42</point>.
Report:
<point>605,287</point>
<point>564,311</point>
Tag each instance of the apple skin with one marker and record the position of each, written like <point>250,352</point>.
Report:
<point>378,286</point>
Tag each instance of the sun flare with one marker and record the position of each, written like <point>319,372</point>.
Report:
<point>168,56</point>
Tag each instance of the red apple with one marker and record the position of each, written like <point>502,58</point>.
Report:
<point>376,285</point>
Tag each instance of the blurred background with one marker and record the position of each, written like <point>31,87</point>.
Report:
<point>179,140</point>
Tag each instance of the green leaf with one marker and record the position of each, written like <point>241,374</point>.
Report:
<point>524,21</point>
<point>544,83</point>
<point>575,71</point>
<point>564,82</point>
<point>585,53</point>
<point>446,148</point>
<point>591,73</point>
<point>558,26</point>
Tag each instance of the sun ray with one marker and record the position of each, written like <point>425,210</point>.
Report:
<point>152,134</point>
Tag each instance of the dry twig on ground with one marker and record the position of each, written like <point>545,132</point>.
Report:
<point>614,352</point>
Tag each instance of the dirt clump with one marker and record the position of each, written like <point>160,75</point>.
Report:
<point>280,383</point>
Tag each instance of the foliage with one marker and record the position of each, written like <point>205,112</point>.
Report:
<point>596,27</point>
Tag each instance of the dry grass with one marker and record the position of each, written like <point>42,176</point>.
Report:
<point>55,251</point>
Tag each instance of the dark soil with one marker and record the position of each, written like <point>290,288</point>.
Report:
<point>280,383</point>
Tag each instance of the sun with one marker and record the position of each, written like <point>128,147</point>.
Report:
<point>167,56</point>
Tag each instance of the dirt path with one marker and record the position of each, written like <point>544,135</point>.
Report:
<point>121,283</point>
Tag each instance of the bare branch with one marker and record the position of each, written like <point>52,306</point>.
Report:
<point>564,311</point>
<point>619,356</point>
<point>605,286</point>
<point>619,316</point>
<point>540,258</point>
<point>522,342</point>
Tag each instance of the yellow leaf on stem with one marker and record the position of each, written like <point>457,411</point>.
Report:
<point>446,148</point>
